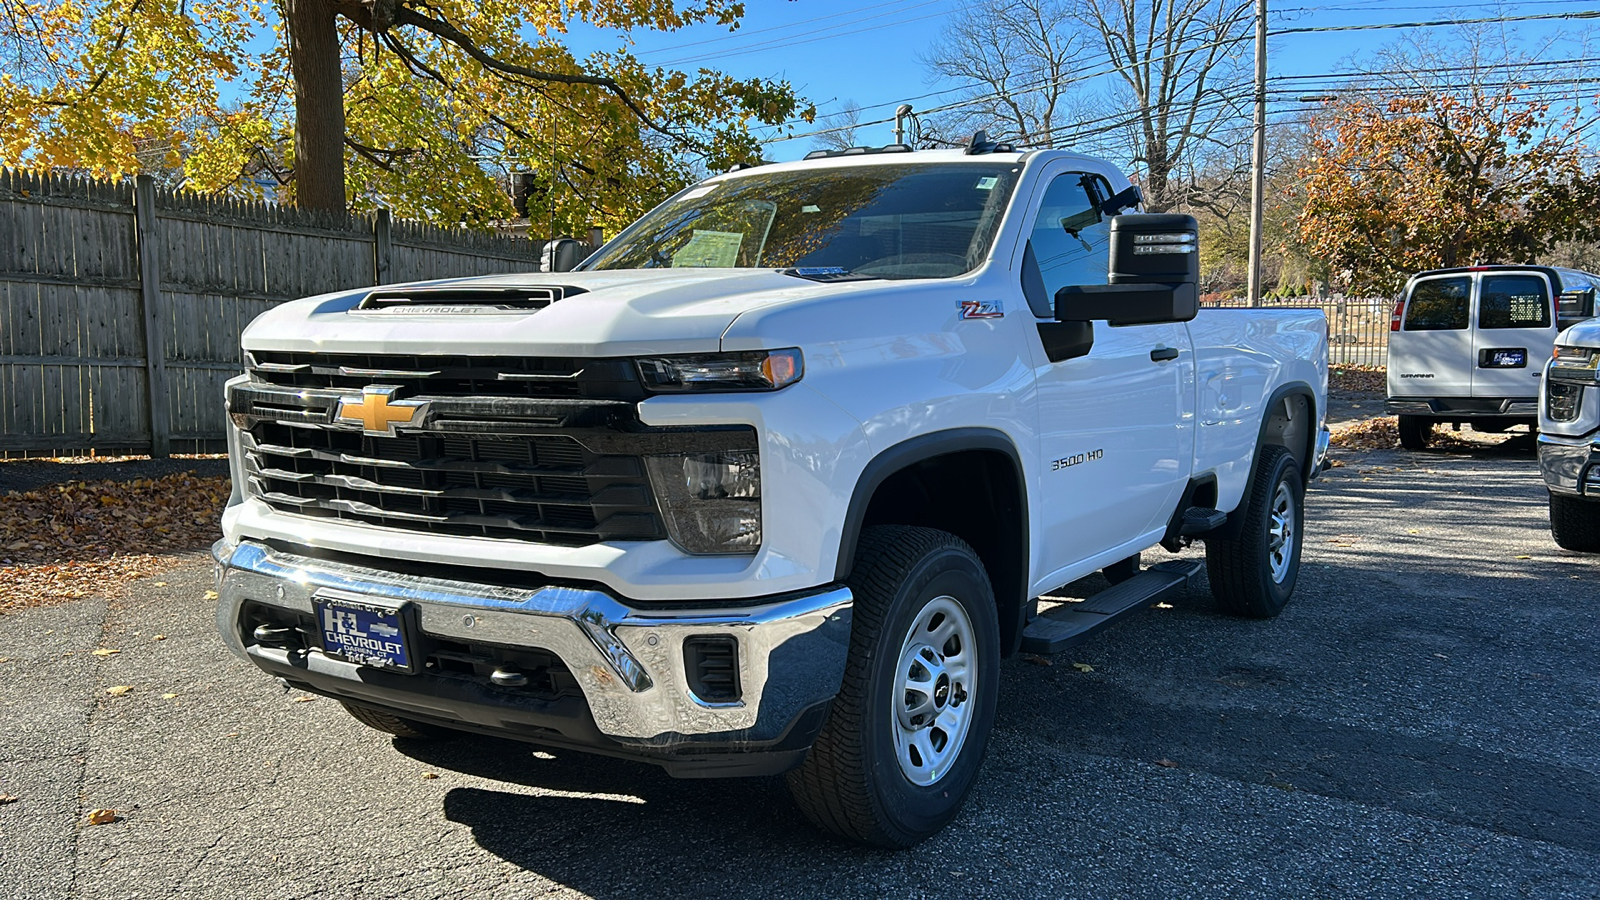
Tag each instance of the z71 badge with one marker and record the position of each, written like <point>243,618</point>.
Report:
<point>982,309</point>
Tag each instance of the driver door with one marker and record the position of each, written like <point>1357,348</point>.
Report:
<point>1116,426</point>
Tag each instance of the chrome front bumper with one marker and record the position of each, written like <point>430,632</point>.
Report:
<point>629,662</point>
<point>1569,465</point>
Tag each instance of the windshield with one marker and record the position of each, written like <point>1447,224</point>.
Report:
<point>886,221</point>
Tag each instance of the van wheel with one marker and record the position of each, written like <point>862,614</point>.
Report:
<point>393,724</point>
<point>907,731</point>
<point>1253,573</point>
<point>1415,432</point>
<point>1575,523</point>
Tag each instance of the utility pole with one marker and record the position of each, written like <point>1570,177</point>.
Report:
<point>1258,154</point>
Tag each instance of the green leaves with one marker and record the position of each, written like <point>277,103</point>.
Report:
<point>442,103</point>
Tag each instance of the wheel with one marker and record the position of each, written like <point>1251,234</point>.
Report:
<point>907,731</point>
<point>1575,523</point>
<point>393,724</point>
<point>1253,573</point>
<point>1122,570</point>
<point>1415,432</point>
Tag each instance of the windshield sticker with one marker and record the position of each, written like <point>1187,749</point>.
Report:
<point>699,192</point>
<point>810,208</point>
<point>982,309</point>
<point>709,250</point>
<point>987,183</point>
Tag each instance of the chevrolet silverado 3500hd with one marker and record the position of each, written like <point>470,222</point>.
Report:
<point>773,480</point>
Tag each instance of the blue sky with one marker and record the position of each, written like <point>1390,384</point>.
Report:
<point>867,51</point>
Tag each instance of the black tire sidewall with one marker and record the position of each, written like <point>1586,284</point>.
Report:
<point>1284,471</point>
<point>920,811</point>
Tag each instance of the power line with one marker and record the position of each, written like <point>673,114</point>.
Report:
<point>1581,14</point>
<point>1079,76</point>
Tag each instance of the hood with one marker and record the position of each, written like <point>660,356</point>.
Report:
<point>1583,334</point>
<point>621,313</point>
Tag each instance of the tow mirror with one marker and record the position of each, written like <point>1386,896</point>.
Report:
<point>1154,277</point>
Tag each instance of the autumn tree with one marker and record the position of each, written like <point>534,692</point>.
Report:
<point>422,106</point>
<point>1399,184</point>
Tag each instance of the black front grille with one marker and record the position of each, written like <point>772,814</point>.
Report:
<point>452,376</point>
<point>543,488</point>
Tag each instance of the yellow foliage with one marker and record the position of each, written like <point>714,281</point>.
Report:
<point>200,92</point>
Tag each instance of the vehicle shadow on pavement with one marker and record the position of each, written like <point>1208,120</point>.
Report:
<point>690,828</point>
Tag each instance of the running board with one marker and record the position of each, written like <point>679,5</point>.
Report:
<point>1072,623</point>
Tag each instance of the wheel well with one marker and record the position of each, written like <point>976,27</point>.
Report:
<point>976,495</point>
<point>1289,424</point>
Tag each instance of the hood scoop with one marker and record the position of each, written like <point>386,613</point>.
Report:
<point>455,301</point>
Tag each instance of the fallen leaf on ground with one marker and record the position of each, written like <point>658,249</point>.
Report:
<point>8,798</point>
<point>1037,660</point>
<point>1167,763</point>
<point>1083,667</point>
<point>1524,557</point>
<point>105,651</point>
<point>168,696</point>
<point>210,595</point>
<point>101,816</point>
<point>159,637</point>
<point>429,775</point>
<point>302,700</point>
<point>119,690</point>
<point>68,541</point>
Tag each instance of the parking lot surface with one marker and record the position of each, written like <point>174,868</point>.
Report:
<point>1421,721</point>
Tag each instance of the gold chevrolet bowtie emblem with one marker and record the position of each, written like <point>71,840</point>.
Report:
<point>378,413</point>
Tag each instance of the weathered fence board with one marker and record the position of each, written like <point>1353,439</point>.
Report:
<point>118,298</point>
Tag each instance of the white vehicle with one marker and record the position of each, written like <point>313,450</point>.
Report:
<point>1465,345</point>
<point>1569,438</point>
<point>774,481</point>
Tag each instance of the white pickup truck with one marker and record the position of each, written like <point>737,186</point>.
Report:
<point>774,480</point>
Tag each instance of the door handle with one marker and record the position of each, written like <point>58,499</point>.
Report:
<point>1162,354</point>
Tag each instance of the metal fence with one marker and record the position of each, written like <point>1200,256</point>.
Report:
<point>121,304</point>
<point>1358,329</point>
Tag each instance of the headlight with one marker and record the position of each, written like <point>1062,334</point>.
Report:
<point>1574,364</point>
<point>755,370</point>
<point>712,501</point>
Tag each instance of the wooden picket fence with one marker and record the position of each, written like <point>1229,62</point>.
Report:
<point>121,303</point>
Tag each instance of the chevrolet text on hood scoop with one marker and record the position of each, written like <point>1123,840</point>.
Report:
<point>610,313</point>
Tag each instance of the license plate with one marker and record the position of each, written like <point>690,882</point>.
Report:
<point>364,631</point>
<point>1504,359</point>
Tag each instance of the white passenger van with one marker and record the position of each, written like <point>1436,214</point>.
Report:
<point>1467,345</point>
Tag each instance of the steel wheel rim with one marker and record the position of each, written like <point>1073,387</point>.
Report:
<point>935,686</point>
<point>1280,533</point>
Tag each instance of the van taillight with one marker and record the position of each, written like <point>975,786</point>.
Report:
<point>1399,308</point>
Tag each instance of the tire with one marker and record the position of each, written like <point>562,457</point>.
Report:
<point>1122,570</point>
<point>393,724</point>
<point>1575,523</point>
<point>1254,572</point>
<point>879,772</point>
<point>1415,432</point>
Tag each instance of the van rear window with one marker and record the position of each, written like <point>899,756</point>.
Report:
<point>1439,304</point>
<point>1513,301</point>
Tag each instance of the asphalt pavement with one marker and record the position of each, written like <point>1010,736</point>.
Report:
<point>1421,721</point>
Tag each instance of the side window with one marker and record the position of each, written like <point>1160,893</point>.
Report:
<point>1439,304</point>
<point>1513,301</point>
<point>1071,237</point>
